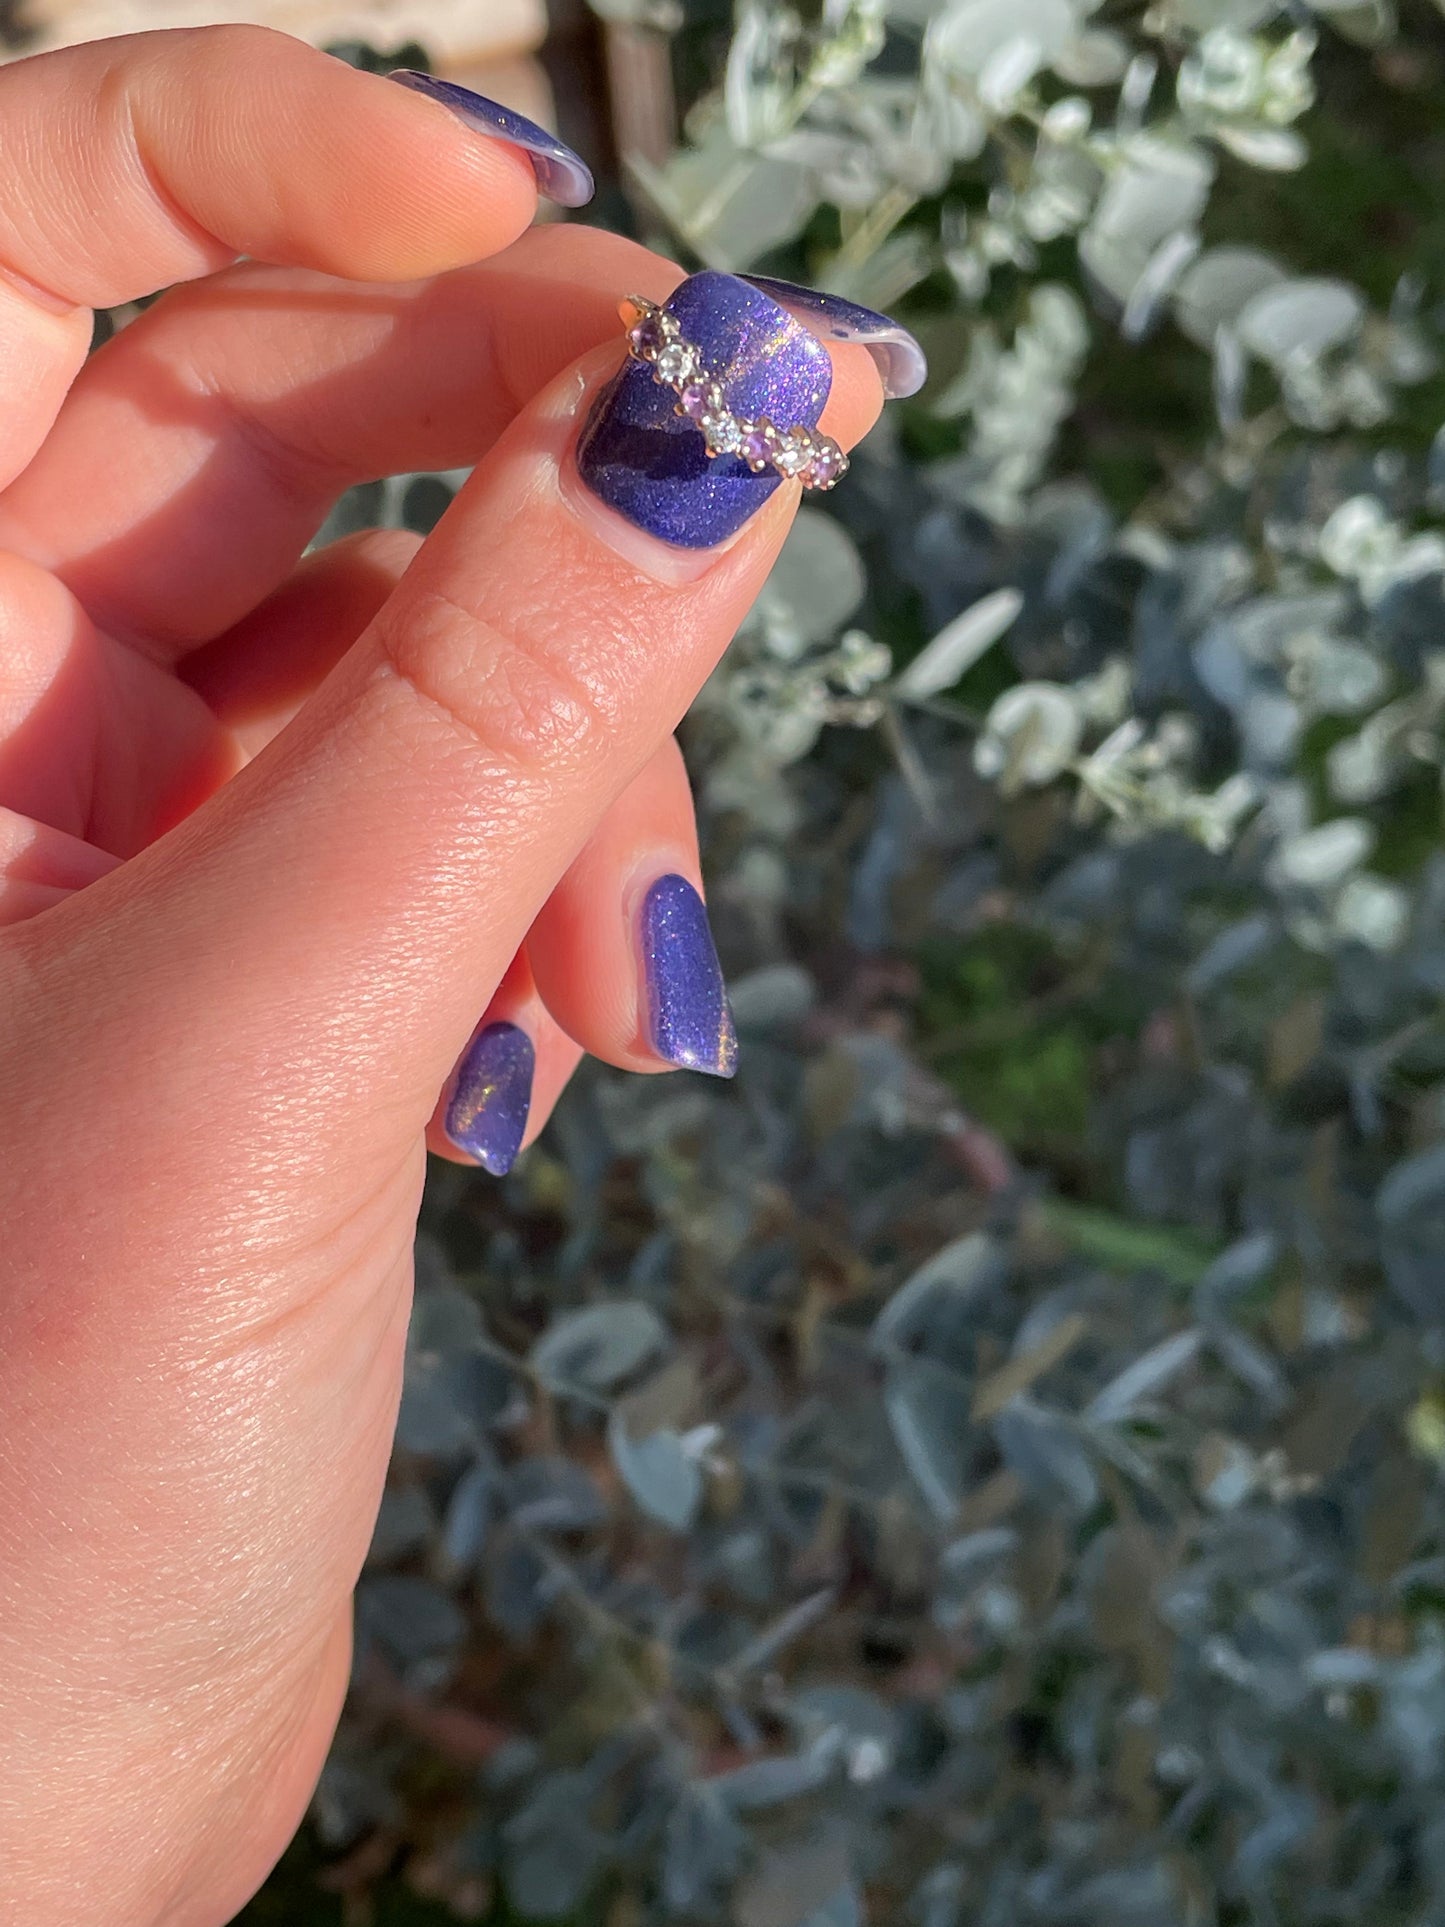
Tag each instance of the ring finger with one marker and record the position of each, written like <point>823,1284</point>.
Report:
<point>619,962</point>
<point>622,952</point>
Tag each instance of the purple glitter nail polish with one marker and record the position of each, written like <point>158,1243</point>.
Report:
<point>651,464</point>
<point>899,358</point>
<point>487,1114</point>
<point>564,177</point>
<point>689,1018</point>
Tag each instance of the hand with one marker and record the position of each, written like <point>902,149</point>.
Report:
<point>274,834</point>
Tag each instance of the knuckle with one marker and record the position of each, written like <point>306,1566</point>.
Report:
<point>230,41</point>
<point>515,703</point>
<point>295,469</point>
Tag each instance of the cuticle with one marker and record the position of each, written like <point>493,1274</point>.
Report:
<point>681,568</point>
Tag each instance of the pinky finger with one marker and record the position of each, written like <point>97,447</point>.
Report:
<point>507,1080</point>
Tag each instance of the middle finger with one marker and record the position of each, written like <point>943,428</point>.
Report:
<point>199,452</point>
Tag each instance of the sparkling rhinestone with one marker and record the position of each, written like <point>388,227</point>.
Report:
<point>699,398</point>
<point>758,444</point>
<point>721,432</point>
<point>794,452</point>
<point>677,363</point>
<point>828,465</point>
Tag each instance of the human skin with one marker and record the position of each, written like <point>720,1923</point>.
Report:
<point>276,836</point>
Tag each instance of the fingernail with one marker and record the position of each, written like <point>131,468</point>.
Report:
<point>487,1114</point>
<point>689,1019</point>
<point>896,353</point>
<point>564,177</point>
<point>650,464</point>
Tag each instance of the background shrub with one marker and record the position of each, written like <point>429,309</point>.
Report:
<point>985,1465</point>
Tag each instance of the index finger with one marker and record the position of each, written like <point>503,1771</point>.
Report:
<point>382,861</point>
<point>134,163</point>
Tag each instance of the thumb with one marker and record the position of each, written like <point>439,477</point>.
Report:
<point>308,953</point>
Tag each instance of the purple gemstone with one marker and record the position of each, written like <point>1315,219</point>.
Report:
<point>695,399</point>
<point>648,336</point>
<point>827,465</point>
<point>758,444</point>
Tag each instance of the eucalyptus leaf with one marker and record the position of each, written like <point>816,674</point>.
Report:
<point>1215,289</point>
<point>1046,1453</point>
<point>1321,858</point>
<point>1031,736</point>
<point>769,1783</point>
<point>959,645</point>
<point>1246,1263</point>
<point>1413,1187</point>
<point>468,1514</point>
<point>1095,57</point>
<point>546,1494</point>
<point>1159,189</point>
<point>408,1617</point>
<point>789,1883</point>
<point>599,1345</point>
<point>929,1420</point>
<point>815,585</point>
<point>1304,317</point>
<point>967,35</point>
<point>1150,1374</point>
<point>949,1282</point>
<point>661,1474</point>
<point>842,1909</point>
<point>703,1849</point>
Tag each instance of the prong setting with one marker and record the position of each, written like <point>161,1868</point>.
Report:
<point>655,338</point>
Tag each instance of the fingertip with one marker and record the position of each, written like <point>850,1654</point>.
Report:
<point>368,182</point>
<point>856,398</point>
<point>506,1082</point>
<point>486,1112</point>
<point>561,173</point>
<point>417,193</point>
<point>474,192</point>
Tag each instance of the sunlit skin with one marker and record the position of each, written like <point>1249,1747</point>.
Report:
<point>274,836</point>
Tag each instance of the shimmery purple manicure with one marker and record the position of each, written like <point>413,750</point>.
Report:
<point>651,464</point>
<point>689,1018</point>
<point>487,1114</point>
<point>564,177</point>
<point>900,360</point>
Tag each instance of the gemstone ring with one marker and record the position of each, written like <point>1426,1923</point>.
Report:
<point>654,336</point>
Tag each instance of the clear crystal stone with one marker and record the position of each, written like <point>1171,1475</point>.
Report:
<point>721,432</point>
<point>677,363</point>
<point>794,452</point>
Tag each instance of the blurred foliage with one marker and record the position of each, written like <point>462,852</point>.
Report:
<point>985,1465</point>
